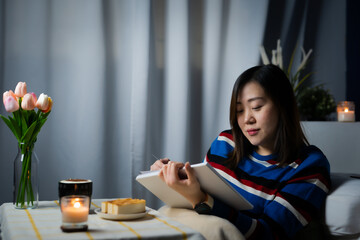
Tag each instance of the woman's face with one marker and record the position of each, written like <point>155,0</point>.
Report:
<point>257,117</point>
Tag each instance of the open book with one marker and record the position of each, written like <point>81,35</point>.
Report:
<point>210,180</point>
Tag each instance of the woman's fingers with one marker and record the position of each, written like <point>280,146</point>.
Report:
<point>190,173</point>
<point>171,172</point>
<point>188,187</point>
<point>159,164</point>
<point>175,172</point>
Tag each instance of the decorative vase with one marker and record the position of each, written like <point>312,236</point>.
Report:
<point>26,185</point>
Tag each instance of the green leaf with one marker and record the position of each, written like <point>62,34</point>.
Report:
<point>302,80</point>
<point>9,124</point>
<point>16,128</point>
<point>39,126</point>
<point>43,121</point>
<point>24,126</point>
<point>44,115</point>
<point>291,60</point>
<point>28,134</point>
<point>32,116</point>
<point>17,117</point>
<point>25,116</point>
<point>36,131</point>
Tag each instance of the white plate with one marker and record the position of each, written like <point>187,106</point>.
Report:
<point>120,216</point>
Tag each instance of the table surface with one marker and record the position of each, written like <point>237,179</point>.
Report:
<point>44,223</point>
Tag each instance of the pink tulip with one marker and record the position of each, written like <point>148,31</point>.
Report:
<point>20,89</point>
<point>10,102</point>
<point>44,103</point>
<point>28,101</point>
<point>7,94</point>
<point>34,96</point>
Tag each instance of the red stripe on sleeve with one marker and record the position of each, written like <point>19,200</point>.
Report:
<point>228,135</point>
<point>313,176</point>
<point>222,168</point>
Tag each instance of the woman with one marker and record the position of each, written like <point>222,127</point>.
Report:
<point>265,156</point>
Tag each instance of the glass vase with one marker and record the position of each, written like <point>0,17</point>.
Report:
<point>26,185</point>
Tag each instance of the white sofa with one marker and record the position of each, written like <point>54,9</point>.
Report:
<point>342,210</point>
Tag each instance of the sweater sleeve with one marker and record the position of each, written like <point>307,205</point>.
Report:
<point>296,202</point>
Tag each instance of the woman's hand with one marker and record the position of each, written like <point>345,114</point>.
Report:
<point>189,187</point>
<point>159,164</point>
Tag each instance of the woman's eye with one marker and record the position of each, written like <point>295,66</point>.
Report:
<point>257,108</point>
<point>239,111</point>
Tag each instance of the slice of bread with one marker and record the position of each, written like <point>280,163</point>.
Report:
<point>123,206</point>
<point>104,207</point>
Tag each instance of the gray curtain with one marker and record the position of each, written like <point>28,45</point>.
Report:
<point>312,24</point>
<point>129,78</point>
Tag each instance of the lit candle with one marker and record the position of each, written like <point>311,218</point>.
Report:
<point>75,212</point>
<point>346,111</point>
<point>346,116</point>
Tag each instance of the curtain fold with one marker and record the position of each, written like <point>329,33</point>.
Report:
<point>139,112</point>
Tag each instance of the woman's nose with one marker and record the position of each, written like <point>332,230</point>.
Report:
<point>249,117</point>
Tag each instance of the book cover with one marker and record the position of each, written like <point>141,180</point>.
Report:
<point>210,181</point>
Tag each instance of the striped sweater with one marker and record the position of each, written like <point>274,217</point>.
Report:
<point>285,199</point>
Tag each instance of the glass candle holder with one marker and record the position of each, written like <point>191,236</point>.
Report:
<point>346,111</point>
<point>75,212</point>
<point>75,187</point>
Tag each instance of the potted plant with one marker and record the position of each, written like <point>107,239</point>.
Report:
<point>316,103</point>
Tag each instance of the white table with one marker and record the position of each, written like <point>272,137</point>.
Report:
<point>45,221</point>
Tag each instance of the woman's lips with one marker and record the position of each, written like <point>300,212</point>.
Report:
<point>252,132</point>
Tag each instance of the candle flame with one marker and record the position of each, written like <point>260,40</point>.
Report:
<point>76,202</point>
<point>346,109</point>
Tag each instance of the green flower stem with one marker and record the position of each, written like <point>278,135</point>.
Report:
<point>29,184</point>
<point>25,186</point>
<point>20,198</point>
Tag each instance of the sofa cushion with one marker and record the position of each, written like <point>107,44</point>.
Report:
<point>342,211</point>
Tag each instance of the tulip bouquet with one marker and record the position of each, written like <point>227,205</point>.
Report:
<point>25,123</point>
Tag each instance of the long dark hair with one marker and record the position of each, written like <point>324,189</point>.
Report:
<point>289,135</point>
